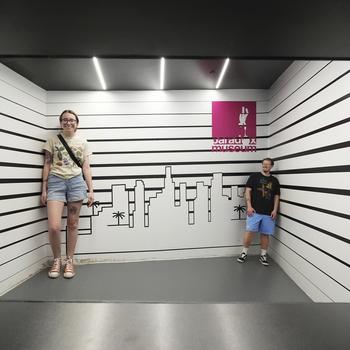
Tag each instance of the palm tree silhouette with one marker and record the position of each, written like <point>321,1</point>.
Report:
<point>240,209</point>
<point>96,204</point>
<point>119,215</point>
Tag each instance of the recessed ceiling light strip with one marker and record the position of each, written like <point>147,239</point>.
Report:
<point>224,68</point>
<point>99,73</point>
<point>162,72</point>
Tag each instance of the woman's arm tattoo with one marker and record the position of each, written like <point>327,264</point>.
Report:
<point>48,157</point>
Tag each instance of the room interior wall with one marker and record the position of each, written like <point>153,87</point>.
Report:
<point>23,223</point>
<point>309,130</point>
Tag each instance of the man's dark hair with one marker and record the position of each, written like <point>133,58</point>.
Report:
<point>270,160</point>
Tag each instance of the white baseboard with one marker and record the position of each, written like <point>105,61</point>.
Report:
<point>161,255</point>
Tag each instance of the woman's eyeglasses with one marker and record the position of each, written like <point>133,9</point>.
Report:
<point>72,121</point>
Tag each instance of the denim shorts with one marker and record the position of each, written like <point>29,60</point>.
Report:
<point>261,223</point>
<point>66,190</point>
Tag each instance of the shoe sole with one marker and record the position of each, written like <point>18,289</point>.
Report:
<point>68,277</point>
<point>265,264</point>
<point>53,277</point>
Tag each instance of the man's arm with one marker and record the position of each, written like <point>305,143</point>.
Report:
<point>248,198</point>
<point>275,206</point>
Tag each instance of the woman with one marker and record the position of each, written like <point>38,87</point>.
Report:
<point>63,182</point>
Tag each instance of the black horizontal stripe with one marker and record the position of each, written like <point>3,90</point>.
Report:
<point>317,189</point>
<point>22,225</point>
<point>319,229</point>
<point>298,88</point>
<point>164,139</point>
<point>335,146</point>
<point>313,132</point>
<point>26,107</point>
<point>162,176</point>
<point>19,180</point>
<point>321,210</point>
<point>325,273</point>
<point>19,256</point>
<point>312,95</point>
<point>23,121</point>
<point>19,210</point>
<point>131,114</point>
<point>21,165</point>
<point>164,151</point>
<point>21,195</point>
<point>103,165</point>
<point>20,150</point>
<point>21,135</point>
<point>155,113</point>
<point>177,163</point>
<point>316,170</point>
<point>23,239</point>
<point>209,126</point>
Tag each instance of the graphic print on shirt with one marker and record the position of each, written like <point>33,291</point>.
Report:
<point>265,188</point>
<point>64,157</point>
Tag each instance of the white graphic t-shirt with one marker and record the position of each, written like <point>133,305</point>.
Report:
<point>62,164</point>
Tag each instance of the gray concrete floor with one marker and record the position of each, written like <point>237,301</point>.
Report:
<point>209,280</point>
<point>105,326</point>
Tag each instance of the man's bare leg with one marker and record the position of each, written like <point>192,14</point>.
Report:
<point>248,238</point>
<point>264,241</point>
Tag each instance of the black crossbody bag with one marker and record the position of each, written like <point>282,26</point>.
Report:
<point>70,152</point>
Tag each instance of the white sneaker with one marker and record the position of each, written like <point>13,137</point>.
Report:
<point>242,258</point>
<point>263,260</point>
<point>69,269</point>
<point>55,270</point>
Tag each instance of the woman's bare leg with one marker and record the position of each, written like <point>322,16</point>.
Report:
<point>54,215</point>
<point>73,212</point>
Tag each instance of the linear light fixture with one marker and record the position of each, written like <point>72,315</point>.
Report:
<point>162,72</point>
<point>224,68</point>
<point>99,73</point>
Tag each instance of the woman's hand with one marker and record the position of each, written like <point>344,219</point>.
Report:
<point>90,199</point>
<point>43,198</point>
<point>250,211</point>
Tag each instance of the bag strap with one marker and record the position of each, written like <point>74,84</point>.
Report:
<point>70,152</point>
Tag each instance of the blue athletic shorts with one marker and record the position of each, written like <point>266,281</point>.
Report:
<point>261,223</point>
<point>66,190</point>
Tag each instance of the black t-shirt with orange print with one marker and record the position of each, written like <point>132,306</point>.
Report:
<point>264,188</point>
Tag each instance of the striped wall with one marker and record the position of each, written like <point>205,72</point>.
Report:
<point>23,224</point>
<point>309,132</point>
<point>153,149</point>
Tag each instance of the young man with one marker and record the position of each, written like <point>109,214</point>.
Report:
<point>262,195</point>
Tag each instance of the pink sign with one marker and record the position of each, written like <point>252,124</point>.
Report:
<point>234,119</point>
